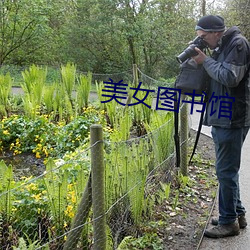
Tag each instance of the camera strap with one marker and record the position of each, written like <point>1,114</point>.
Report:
<point>197,137</point>
<point>177,137</point>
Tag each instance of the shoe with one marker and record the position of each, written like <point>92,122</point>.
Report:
<point>221,231</point>
<point>241,219</point>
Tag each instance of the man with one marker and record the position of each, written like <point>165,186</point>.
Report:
<point>228,112</point>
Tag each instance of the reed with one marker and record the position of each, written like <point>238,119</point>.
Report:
<point>5,90</point>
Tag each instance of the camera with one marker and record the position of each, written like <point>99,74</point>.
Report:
<point>190,51</point>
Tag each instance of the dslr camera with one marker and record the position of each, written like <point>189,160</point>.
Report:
<point>190,51</point>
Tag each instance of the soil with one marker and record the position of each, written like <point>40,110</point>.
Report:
<point>186,223</point>
<point>25,164</point>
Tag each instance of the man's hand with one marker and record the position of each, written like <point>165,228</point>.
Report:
<point>200,58</point>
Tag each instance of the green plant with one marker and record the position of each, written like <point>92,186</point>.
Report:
<point>34,81</point>
<point>164,191</point>
<point>68,74</point>
<point>56,187</point>
<point>64,183</point>
<point>147,241</point>
<point>43,137</point>
<point>160,131</point>
<point>126,172</point>
<point>30,207</point>
<point>6,184</point>
<point>176,199</point>
<point>5,90</point>
<point>141,112</point>
<point>102,99</point>
<point>48,98</point>
<point>83,91</point>
<point>112,110</point>
<point>184,181</point>
<point>28,245</point>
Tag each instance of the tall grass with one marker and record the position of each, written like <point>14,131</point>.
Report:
<point>68,74</point>
<point>5,90</point>
<point>161,133</point>
<point>33,86</point>
<point>48,98</point>
<point>83,90</point>
<point>6,184</point>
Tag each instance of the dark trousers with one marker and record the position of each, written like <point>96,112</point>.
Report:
<point>228,145</point>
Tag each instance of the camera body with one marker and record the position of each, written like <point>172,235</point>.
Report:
<point>190,51</point>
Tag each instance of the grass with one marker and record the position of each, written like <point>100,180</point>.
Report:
<point>53,75</point>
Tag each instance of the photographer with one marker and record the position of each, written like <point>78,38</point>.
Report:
<point>228,68</point>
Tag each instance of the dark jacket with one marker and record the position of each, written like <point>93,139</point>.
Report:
<point>229,89</point>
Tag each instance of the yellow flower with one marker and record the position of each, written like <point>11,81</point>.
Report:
<point>73,199</point>
<point>37,196</point>
<point>45,151</point>
<point>16,152</point>
<point>38,155</point>
<point>69,211</point>
<point>14,209</point>
<point>6,132</point>
<point>31,186</point>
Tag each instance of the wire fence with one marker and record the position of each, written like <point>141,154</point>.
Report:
<point>42,209</point>
<point>55,209</point>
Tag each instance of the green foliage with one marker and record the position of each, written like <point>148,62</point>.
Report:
<point>126,172</point>
<point>29,245</point>
<point>161,128</point>
<point>68,74</point>
<point>6,184</point>
<point>142,113</point>
<point>34,81</point>
<point>127,160</point>
<point>104,36</point>
<point>83,90</point>
<point>56,187</point>
<point>164,192</point>
<point>43,137</point>
<point>141,33</point>
<point>23,28</point>
<point>48,98</point>
<point>5,90</point>
<point>30,206</point>
<point>99,88</point>
<point>184,181</point>
<point>147,241</point>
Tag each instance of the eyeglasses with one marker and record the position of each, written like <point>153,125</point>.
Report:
<point>203,36</point>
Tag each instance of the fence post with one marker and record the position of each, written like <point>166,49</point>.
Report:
<point>184,138</point>
<point>80,218</point>
<point>135,75</point>
<point>98,195</point>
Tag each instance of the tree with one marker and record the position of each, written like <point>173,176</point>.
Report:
<point>237,13</point>
<point>21,21</point>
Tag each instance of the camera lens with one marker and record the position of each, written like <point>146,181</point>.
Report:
<point>190,50</point>
<point>187,53</point>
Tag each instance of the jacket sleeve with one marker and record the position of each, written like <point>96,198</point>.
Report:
<point>234,66</point>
